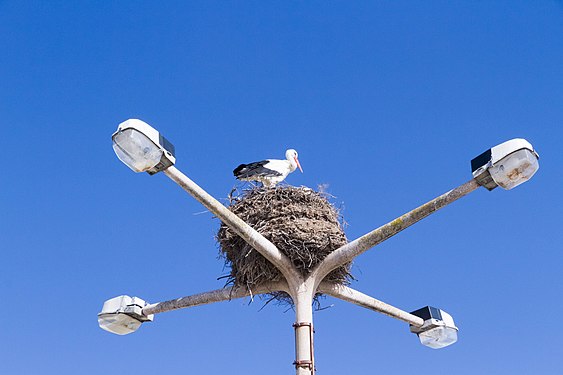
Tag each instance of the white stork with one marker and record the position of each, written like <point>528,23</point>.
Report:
<point>269,172</point>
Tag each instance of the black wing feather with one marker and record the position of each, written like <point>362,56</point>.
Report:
<point>254,169</point>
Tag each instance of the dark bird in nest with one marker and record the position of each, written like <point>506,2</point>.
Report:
<point>269,172</point>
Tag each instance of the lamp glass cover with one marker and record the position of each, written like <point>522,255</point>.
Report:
<point>514,169</point>
<point>438,337</point>
<point>136,150</point>
<point>118,323</point>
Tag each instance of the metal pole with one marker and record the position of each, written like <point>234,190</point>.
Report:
<point>304,349</point>
<point>347,252</point>
<point>251,236</point>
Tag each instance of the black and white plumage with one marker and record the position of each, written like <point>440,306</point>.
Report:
<point>269,172</point>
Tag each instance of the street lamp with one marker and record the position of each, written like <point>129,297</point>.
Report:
<point>123,315</point>
<point>142,148</point>
<point>438,329</point>
<point>506,165</point>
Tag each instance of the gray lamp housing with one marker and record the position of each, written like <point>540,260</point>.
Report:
<point>123,315</point>
<point>142,148</point>
<point>506,165</point>
<point>438,329</point>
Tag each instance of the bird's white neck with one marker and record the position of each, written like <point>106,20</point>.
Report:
<point>292,163</point>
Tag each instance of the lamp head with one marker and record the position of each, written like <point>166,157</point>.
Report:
<point>123,315</point>
<point>438,330</point>
<point>506,165</point>
<point>142,148</point>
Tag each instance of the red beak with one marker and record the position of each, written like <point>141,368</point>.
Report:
<point>299,165</point>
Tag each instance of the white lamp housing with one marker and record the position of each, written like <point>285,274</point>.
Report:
<point>438,330</point>
<point>507,165</point>
<point>123,315</point>
<point>142,148</point>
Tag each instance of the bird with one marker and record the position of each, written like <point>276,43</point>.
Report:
<point>270,171</point>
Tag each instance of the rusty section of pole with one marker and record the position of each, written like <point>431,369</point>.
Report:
<point>307,364</point>
<point>205,298</point>
<point>358,298</point>
<point>352,249</point>
<point>249,234</point>
<point>302,295</point>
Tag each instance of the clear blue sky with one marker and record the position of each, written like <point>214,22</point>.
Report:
<point>386,102</point>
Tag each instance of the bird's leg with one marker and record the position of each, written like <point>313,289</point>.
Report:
<point>230,196</point>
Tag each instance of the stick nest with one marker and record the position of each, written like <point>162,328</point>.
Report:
<point>302,224</point>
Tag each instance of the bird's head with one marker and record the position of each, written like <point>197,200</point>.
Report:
<point>291,155</point>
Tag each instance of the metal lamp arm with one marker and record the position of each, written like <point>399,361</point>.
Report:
<point>347,252</point>
<point>358,298</point>
<point>218,295</point>
<point>249,234</point>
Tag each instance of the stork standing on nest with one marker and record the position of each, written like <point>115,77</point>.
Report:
<point>269,172</point>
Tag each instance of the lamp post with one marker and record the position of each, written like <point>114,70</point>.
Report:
<point>143,149</point>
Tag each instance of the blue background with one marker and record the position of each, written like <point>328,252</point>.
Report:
<point>386,102</point>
